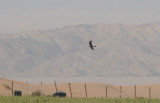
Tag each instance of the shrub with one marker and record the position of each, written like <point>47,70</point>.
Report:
<point>36,93</point>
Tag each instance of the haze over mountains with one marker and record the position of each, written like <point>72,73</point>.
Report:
<point>121,50</point>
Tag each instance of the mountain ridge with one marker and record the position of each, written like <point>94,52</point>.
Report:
<point>122,50</point>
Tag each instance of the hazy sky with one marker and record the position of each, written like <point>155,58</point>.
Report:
<point>27,15</point>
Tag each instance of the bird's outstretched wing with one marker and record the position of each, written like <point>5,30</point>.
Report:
<point>90,43</point>
<point>92,47</point>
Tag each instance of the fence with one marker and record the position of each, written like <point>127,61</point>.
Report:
<point>81,90</point>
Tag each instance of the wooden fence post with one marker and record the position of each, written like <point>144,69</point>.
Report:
<point>55,85</point>
<point>149,92</point>
<point>120,91</point>
<point>41,90</point>
<point>135,91</point>
<point>12,88</point>
<point>106,92</point>
<point>27,88</point>
<point>86,90</point>
<point>70,89</point>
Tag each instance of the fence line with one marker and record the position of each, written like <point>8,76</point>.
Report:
<point>121,90</point>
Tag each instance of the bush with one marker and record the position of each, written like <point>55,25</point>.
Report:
<point>36,93</point>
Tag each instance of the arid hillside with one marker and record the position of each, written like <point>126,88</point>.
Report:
<point>78,89</point>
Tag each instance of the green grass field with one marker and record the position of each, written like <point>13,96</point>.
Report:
<point>23,99</point>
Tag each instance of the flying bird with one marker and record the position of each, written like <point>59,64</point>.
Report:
<point>90,45</point>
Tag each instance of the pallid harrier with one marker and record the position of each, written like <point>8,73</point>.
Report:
<point>90,45</point>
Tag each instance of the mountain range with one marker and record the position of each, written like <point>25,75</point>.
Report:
<point>121,50</point>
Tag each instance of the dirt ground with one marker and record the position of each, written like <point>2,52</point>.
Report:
<point>78,89</point>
